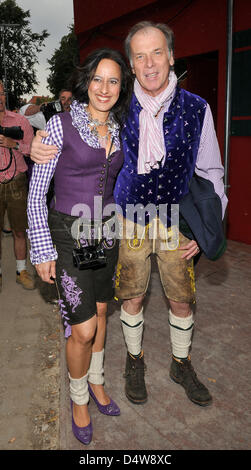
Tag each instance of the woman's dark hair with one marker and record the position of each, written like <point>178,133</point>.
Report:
<point>83,75</point>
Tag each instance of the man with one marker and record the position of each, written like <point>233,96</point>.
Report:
<point>36,117</point>
<point>175,137</point>
<point>13,186</point>
<point>65,97</point>
<point>169,134</point>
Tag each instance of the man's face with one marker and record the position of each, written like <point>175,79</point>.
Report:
<point>66,98</point>
<point>151,60</point>
<point>2,99</point>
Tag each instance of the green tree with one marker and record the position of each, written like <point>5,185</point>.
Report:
<point>19,51</point>
<point>63,62</point>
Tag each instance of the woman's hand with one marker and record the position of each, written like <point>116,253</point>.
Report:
<point>47,271</point>
<point>191,249</point>
<point>42,153</point>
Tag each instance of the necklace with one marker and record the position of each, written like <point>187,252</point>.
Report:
<point>95,123</point>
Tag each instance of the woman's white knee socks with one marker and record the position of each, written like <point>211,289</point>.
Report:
<point>79,387</point>
<point>96,369</point>
<point>79,390</point>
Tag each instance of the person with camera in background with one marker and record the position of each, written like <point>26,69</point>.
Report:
<point>82,263</point>
<point>59,106</point>
<point>15,141</point>
<point>34,115</point>
<point>39,114</point>
<point>65,98</point>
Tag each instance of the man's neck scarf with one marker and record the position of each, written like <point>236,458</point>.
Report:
<point>151,138</point>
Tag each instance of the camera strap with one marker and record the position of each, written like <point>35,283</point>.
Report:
<point>10,162</point>
<point>105,181</point>
<point>8,166</point>
<point>106,173</point>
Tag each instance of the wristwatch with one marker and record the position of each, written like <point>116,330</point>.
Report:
<point>17,146</point>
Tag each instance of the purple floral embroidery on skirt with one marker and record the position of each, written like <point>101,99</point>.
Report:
<point>72,295</point>
<point>63,311</point>
<point>71,291</point>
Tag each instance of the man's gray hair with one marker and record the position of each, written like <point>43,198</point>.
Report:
<point>168,33</point>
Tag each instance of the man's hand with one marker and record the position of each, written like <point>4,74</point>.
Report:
<point>190,250</point>
<point>32,109</point>
<point>42,153</point>
<point>47,271</point>
<point>7,142</point>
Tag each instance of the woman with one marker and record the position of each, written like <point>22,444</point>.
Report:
<point>88,160</point>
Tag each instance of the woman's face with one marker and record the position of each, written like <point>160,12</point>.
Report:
<point>104,88</point>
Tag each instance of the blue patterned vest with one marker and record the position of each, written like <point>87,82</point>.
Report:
<point>182,126</point>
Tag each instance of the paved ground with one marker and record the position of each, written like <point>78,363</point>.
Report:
<point>29,362</point>
<point>34,402</point>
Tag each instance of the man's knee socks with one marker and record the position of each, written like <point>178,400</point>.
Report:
<point>181,330</point>
<point>132,326</point>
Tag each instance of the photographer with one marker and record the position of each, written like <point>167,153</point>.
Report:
<point>59,106</point>
<point>65,98</point>
<point>34,115</point>
<point>15,141</point>
<point>39,115</point>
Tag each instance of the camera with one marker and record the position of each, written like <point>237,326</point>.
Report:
<point>89,257</point>
<point>51,108</point>
<point>14,132</point>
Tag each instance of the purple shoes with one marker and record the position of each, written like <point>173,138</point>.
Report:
<point>111,409</point>
<point>84,434</point>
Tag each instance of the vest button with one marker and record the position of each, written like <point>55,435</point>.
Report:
<point>100,192</point>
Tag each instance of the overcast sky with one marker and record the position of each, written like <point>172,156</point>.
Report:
<point>55,16</point>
